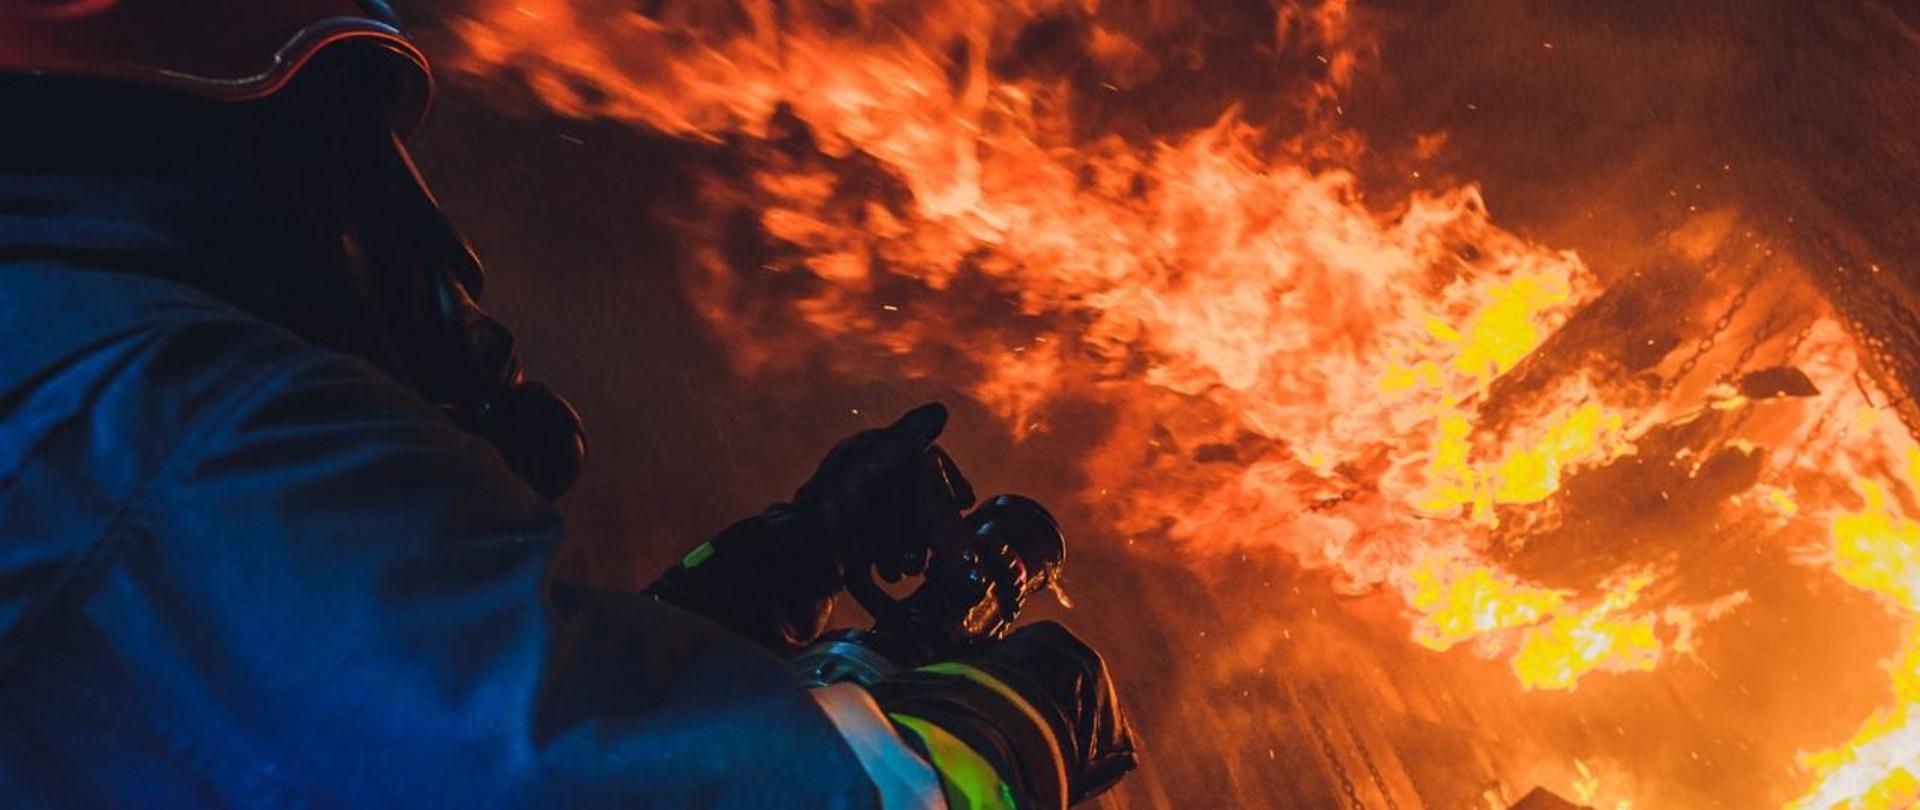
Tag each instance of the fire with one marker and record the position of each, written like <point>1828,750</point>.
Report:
<point>1879,769</point>
<point>1287,363</point>
<point>1556,654</point>
<point>1461,602</point>
<point>1561,640</point>
<point>1878,550</point>
<point>1458,365</point>
<point>1587,788</point>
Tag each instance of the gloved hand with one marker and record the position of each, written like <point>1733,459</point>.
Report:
<point>882,497</point>
<point>1036,708</point>
<point>878,501</point>
<point>770,578</point>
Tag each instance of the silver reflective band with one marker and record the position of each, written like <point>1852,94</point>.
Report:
<point>905,781</point>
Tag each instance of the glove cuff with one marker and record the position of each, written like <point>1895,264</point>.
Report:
<point>768,578</point>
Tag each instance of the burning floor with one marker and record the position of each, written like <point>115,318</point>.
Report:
<point>1380,502</point>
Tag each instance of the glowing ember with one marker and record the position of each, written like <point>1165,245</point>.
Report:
<point>1587,788</point>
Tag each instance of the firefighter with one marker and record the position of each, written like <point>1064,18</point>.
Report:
<point>275,497</point>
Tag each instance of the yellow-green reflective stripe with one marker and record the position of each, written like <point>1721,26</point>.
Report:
<point>970,783</point>
<point>1001,688</point>
<point>697,556</point>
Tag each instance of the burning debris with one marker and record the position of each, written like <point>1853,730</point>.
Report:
<point>1581,474</point>
<point>1541,799</point>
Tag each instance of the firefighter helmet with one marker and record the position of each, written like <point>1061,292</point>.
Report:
<point>243,50</point>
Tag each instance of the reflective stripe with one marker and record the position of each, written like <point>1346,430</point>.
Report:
<point>971,783</point>
<point>904,780</point>
<point>1001,688</point>
<point>697,556</point>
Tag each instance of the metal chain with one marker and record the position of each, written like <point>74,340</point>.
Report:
<point>1720,326</point>
<point>1331,501</point>
<point>1333,756</point>
<point>1813,433</point>
<point>1908,322</point>
<point>1768,328</point>
<point>1366,758</point>
<point>1841,434</point>
<point>1776,472</point>
<point>1793,346</point>
<point>1855,294</point>
<point>1901,368</point>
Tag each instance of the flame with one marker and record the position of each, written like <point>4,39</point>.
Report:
<point>1287,363</point>
<point>1460,602</point>
<point>1587,788</point>
<point>1562,640</point>
<point>1878,550</point>
<point>1556,654</point>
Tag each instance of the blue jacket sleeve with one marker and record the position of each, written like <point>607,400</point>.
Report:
<point>322,594</point>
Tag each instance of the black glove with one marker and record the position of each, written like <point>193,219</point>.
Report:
<point>878,501</point>
<point>883,497</point>
<point>1037,706</point>
<point>770,578</point>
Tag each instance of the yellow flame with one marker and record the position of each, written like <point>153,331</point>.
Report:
<point>1556,654</point>
<point>1560,641</point>
<point>1507,326</point>
<point>1531,473</point>
<point>1527,472</point>
<point>1877,550</point>
<point>1510,321</point>
<point>1587,786</point>
<point>1460,602</point>
<point>1779,500</point>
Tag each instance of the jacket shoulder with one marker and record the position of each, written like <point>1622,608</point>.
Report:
<point>56,314</point>
<point>102,376</point>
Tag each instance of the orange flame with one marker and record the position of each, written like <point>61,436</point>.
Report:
<point>1878,550</point>
<point>1288,364</point>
